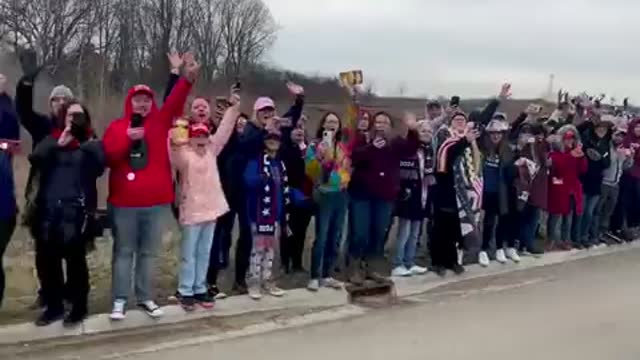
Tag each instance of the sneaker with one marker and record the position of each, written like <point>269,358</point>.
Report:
<point>331,283</point>
<point>49,317</point>
<point>458,269</point>
<point>513,255</point>
<point>400,271</point>
<point>205,301</point>
<point>175,298</point>
<point>483,258</point>
<point>440,271</point>
<point>188,303</point>
<point>418,270</point>
<point>273,290</point>
<point>313,285</point>
<point>501,257</point>
<point>239,289</point>
<point>151,308</point>
<point>119,310</point>
<point>74,318</point>
<point>254,292</point>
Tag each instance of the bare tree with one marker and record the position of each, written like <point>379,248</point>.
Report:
<point>50,28</point>
<point>248,30</point>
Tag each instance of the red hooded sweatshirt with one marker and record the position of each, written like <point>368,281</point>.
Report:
<point>152,185</point>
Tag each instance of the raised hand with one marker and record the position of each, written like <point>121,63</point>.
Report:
<point>192,68</point>
<point>472,135</point>
<point>295,89</point>
<point>379,142</point>
<point>505,91</point>
<point>175,60</point>
<point>411,121</point>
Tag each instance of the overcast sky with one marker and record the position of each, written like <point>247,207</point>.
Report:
<point>465,47</point>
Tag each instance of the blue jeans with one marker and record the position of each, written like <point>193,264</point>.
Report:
<point>330,216</point>
<point>565,228</point>
<point>588,231</point>
<point>136,232</point>
<point>408,234</point>
<point>371,217</point>
<point>194,261</point>
<point>530,217</point>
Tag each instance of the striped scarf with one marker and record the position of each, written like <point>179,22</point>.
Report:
<point>467,183</point>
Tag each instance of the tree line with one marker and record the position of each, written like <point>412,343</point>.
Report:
<point>105,46</point>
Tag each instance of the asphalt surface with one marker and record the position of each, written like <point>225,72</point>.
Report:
<point>587,309</point>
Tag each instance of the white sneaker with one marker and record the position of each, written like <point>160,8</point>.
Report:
<point>483,258</point>
<point>254,292</point>
<point>400,271</point>
<point>118,312</point>
<point>151,308</point>
<point>512,254</point>
<point>500,256</point>
<point>418,270</point>
<point>331,283</point>
<point>313,285</point>
<point>273,290</point>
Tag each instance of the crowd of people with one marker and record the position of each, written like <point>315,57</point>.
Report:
<point>456,182</point>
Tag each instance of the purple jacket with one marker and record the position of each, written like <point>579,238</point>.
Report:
<point>376,172</point>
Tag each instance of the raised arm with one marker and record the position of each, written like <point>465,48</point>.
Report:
<point>174,105</point>
<point>38,125</point>
<point>176,61</point>
<point>220,138</point>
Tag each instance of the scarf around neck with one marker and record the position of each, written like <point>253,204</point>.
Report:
<point>267,196</point>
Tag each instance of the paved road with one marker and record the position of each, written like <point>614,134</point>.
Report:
<point>582,310</point>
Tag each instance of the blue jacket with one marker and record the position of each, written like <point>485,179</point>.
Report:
<point>9,130</point>
<point>253,182</point>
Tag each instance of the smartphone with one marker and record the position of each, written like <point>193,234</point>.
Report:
<point>136,120</point>
<point>327,137</point>
<point>455,101</point>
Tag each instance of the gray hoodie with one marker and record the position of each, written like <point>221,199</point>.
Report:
<point>619,163</point>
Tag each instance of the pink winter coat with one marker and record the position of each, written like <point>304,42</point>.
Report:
<point>201,196</point>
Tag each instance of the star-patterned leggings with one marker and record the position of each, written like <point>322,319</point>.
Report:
<point>261,261</point>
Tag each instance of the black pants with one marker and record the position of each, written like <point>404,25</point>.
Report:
<point>292,246</point>
<point>447,237</point>
<point>7,226</point>
<point>501,226</point>
<point>60,238</point>
<point>219,257</point>
<point>243,247</point>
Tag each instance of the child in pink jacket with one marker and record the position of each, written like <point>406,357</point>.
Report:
<point>201,202</point>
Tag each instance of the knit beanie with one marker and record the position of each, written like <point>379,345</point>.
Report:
<point>61,91</point>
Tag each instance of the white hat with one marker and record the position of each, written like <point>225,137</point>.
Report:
<point>497,126</point>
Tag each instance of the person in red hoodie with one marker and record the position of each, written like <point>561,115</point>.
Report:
<point>565,189</point>
<point>141,187</point>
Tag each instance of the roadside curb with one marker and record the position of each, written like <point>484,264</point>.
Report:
<point>406,287</point>
<point>232,306</point>
<point>298,298</point>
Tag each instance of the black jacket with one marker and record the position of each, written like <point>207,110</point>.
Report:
<point>68,174</point>
<point>597,152</point>
<point>410,199</point>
